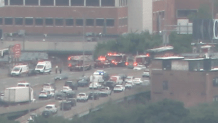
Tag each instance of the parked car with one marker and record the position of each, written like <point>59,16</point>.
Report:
<point>129,78</point>
<point>105,91</point>
<point>139,67</point>
<point>146,74</point>
<point>65,105</point>
<point>111,84</point>
<point>60,96</point>
<point>72,101</point>
<point>52,108</point>
<point>128,85</point>
<point>119,88</point>
<point>66,89</point>
<point>84,77</point>
<point>47,114</point>
<point>94,96</point>
<point>61,77</point>
<point>73,85</point>
<point>23,84</point>
<point>137,81</point>
<point>48,88</point>
<point>94,85</point>
<point>46,94</point>
<point>83,83</point>
<point>82,97</point>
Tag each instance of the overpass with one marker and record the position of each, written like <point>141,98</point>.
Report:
<point>81,108</point>
<point>52,47</point>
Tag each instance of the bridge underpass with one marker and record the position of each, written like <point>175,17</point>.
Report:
<point>52,47</point>
<point>81,107</point>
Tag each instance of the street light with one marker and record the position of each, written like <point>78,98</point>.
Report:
<point>84,22</point>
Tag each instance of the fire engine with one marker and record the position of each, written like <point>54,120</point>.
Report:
<point>102,62</point>
<point>117,59</point>
<point>142,60</point>
<point>79,63</point>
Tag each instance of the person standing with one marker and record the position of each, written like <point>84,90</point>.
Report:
<point>60,70</point>
<point>56,69</point>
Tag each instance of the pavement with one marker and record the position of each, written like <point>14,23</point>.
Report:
<point>37,81</point>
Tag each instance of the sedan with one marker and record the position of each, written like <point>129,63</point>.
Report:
<point>145,74</point>
<point>139,67</point>
<point>137,81</point>
<point>128,85</point>
<point>119,88</point>
<point>61,77</point>
<point>94,85</point>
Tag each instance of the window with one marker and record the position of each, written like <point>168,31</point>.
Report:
<point>8,21</point>
<point>49,21</point>
<point>59,22</point>
<point>6,2</point>
<point>31,2</point>
<point>215,82</point>
<point>89,22</point>
<point>79,22</point>
<point>99,22</point>
<point>62,2</point>
<point>28,21</point>
<point>38,21</point>
<point>16,2</point>
<point>47,2</point>
<point>165,85</point>
<point>110,22</point>
<point>1,21</point>
<point>108,2</point>
<point>19,21</point>
<point>69,22</point>
<point>185,13</point>
<point>77,2</point>
<point>92,2</point>
<point>215,98</point>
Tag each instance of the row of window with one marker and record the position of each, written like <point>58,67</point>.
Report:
<point>61,2</point>
<point>55,21</point>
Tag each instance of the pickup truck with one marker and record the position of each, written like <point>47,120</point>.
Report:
<point>83,97</point>
<point>105,91</point>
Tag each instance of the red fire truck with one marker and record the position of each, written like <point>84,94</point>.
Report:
<point>102,62</point>
<point>117,59</point>
<point>142,60</point>
<point>79,63</point>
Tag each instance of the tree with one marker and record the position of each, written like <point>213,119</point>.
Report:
<point>181,43</point>
<point>130,44</point>
<point>204,12</point>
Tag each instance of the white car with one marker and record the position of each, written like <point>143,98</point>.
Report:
<point>52,108</point>
<point>129,85</point>
<point>129,78</point>
<point>119,88</point>
<point>46,94</point>
<point>82,97</point>
<point>23,84</point>
<point>48,88</point>
<point>99,72</point>
<point>146,74</point>
<point>94,85</point>
<point>137,81</point>
<point>139,67</point>
<point>66,89</point>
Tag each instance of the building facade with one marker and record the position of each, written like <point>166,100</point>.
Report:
<point>173,14</point>
<point>139,15</point>
<point>64,16</point>
<point>191,81</point>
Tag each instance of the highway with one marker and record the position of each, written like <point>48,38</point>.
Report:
<point>37,81</point>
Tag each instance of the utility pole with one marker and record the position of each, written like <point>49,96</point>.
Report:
<point>9,59</point>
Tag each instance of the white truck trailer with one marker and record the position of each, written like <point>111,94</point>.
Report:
<point>18,95</point>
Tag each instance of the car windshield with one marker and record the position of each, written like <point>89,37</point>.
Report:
<point>22,85</point>
<point>40,66</point>
<point>48,107</point>
<point>42,92</point>
<point>117,86</point>
<point>16,69</point>
<point>81,94</point>
<point>129,78</point>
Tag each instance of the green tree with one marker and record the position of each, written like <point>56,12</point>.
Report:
<point>181,43</point>
<point>204,12</point>
<point>130,44</point>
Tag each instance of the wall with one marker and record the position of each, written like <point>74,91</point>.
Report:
<point>51,46</point>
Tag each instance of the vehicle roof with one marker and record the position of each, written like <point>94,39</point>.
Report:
<point>141,56</point>
<point>81,93</point>
<point>130,76</point>
<point>16,87</point>
<point>50,105</point>
<point>20,66</point>
<point>169,58</point>
<point>119,85</point>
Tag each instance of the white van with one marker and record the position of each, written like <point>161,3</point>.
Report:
<point>43,67</point>
<point>96,78</point>
<point>19,70</point>
<point>117,79</point>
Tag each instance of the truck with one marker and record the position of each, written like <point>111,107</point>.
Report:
<point>78,63</point>
<point>43,67</point>
<point>102,62</point>
<point>117,59</point>
<point>142,60</point>
<point>18,95</point>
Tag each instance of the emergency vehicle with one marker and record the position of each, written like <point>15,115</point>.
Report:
<point>117,59</point>
<point>20,70</point>
<point>142,60</point>
<point>43,67</point>
<point>102,62</point>
<point>79,62</point>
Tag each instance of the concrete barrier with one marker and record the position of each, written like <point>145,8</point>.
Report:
<point>51,46</point>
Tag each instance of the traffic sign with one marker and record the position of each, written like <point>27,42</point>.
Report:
<point>17,50</point>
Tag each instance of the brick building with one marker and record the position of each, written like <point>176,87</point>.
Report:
<point>191,81</point>
<point>64,16</point>
<point>174,12</point>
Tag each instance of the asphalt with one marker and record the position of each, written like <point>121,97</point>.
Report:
<point>37,81</point>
